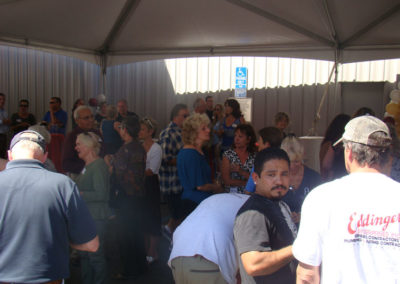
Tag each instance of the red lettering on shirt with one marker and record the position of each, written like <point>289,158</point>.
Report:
<point>366,220</point>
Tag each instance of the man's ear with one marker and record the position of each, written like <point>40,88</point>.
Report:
<point>9,155</point>
<point>43,157</point>
<point>348,154</point>
<point>255,177</point>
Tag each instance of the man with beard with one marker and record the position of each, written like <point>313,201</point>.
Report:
<point>264,231</point>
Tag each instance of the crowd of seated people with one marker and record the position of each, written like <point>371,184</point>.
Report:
<point>123,172</point>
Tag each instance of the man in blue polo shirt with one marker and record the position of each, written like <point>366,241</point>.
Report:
<point>41,215</point>
<point>56,117</point>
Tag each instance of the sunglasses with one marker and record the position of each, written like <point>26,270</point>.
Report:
<point>148,122</point>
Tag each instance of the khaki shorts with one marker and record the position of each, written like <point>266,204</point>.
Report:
<point>196,270</point>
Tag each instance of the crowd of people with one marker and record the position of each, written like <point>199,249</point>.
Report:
<point>243,206</point>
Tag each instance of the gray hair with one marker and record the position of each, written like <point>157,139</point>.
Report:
<point>369,155</point>
<point>293,148</point>
<point>79,109</point>
<point>91,140</point>
<point>197,103</point>
<point>31,146</point>
<point>111,112</point>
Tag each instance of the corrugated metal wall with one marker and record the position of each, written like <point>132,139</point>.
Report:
<point>200,75</point>
<point>37,76</point>
<point>150,91</point>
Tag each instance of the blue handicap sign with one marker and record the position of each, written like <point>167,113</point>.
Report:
<point>241,72</point>
<point>241,82</point>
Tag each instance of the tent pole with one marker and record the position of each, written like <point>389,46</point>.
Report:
<point>103,67</point>
<point>313,130</point>
<point>336,78</point>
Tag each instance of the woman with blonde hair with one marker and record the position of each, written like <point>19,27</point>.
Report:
<point>302,178</point>
<point>148,129</point>
<point>93,184</point>
<point>193,170</point>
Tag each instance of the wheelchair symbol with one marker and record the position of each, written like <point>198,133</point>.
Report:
<point>240,73</point>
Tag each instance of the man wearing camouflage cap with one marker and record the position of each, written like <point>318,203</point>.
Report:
<point>351,226</point>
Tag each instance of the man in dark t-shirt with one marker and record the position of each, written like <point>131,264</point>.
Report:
<point>41,215</point>
<point>264,231</point>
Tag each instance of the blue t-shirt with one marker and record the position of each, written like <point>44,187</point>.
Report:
<point>62,116</point>
<point>41,213</point>
<point>250,186</point>
<point>111,138</point>
<point>295,198</point>
<point>229,133</point>
<point>193,171</point>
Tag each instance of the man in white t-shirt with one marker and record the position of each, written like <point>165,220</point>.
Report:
<point>203,248</point>
<point>352,225</point>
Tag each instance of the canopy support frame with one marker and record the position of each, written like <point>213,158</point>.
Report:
<point>282,22</point>
<point>370,26</point>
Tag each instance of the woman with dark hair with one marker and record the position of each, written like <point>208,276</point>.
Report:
<point>77,103</point>
<point>363,111</point>
<point>332,157</point>
<point>238,161</point>
<point>22,119</point>
<point>127,185</point>
<point>233,117</point>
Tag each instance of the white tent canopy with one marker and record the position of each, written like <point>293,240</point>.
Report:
<point>121,31</point>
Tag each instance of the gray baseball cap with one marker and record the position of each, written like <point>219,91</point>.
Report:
<point>359,130</point>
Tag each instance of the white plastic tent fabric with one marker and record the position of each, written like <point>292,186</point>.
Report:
<point>120,31</point>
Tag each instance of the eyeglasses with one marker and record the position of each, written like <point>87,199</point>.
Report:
<point>52,102</point>
<point>23,105</point>
<point>86,117</point>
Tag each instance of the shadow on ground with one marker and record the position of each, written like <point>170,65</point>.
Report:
<point>158,272</point>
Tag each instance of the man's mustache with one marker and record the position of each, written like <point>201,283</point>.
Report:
<point>281,186</point>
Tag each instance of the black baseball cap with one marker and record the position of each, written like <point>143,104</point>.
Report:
<point>29,135</point>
